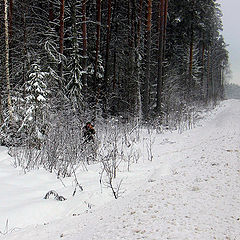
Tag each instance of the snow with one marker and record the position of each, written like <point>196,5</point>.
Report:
<point>190,190</point>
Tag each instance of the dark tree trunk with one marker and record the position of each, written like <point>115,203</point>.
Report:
<point>132,86</point>
<point>84,53</point>
<point>139,22</point>
<point>50,13</point>
<point>10,18</point>
<point>96,83</point>
<point>209,76</point>
<point>165,27</point>
<point>107,45</point>
<point>7,75</point>
<point>190,60</point>
<point>147,73</point>
<point>115,23</point>
<point>161,30</point>
<point>24,71</point>
<point>203,69</point>
<point>61,37</point>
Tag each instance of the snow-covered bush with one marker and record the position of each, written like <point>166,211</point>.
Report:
<point>30,111</point>
<point>36,106</point>
<point>117,152</point>
<point>61,149</point>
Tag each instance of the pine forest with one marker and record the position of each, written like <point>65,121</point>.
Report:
<point>119,64</point>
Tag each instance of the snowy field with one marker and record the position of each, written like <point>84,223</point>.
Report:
<point>190,190</point>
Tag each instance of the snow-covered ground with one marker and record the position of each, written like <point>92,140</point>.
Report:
<point>191,190</point>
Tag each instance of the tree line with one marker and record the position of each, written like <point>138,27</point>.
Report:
<point>138,59</point>
<point>232,91</point>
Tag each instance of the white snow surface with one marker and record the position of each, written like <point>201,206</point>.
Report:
<point>190,190</point>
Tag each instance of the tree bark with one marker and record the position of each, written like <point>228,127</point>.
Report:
<point>97,44</point>
<point>139,22</point>
<point>165,27</point>
<point>132,75</point>
<point>161,29</point>
<point>107,44</point>
<point>50,13</point>
<point>96,84</point>
<point>84,53</point>
<point>203,68</point>
<point>10,18</point>
<point>138,108</point>
<point>24,72</point>
<point>10,111</point>
<point>61,37</point>
<point>147,73</point>
<point>115,53</point>
<point>76,76</point>
<point>190,60</point>
<point>191,45</point>
<point>209,76</point>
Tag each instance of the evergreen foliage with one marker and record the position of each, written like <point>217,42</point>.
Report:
<point>108,62</point>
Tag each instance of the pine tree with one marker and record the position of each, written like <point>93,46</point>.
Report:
<point>36,106</point>
<point>7,74</point>
<point>147,73</point>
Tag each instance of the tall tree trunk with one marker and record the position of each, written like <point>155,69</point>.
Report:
<point>97,87</point>
<point>10,18</point>
<point>221,83</point>
<point>140,7</point>
<point>129,66</point>
<point>115,23</point>
<point>24,72</point>
<point>84,53</point>
<point>161,30</point>
<point>50,13</point>
<point>75,41</point>
<point>165,27</point>
<point>137,57</point>
<point>190,83</point>
<point>147,73</point>
<point>203,69</point>
<point>10,111</point>
<point>61,36</point>
<point>10,30</point>
<point>209,76</point>
<point>133,86</point>
<point>107,44</point>
<point>97,44</point>
<point>191,45</point>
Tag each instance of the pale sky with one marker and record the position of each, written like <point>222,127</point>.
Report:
<point>231,34</point>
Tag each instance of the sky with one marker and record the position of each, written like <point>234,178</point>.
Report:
<point>231,34</point>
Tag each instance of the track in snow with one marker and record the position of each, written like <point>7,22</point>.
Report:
<point>193,193</point>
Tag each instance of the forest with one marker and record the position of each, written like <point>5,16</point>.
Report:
<point>232,91</point>
<point>134,62</point>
